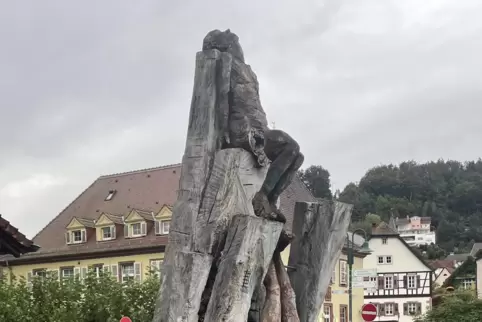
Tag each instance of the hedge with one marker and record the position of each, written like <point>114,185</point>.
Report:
<point>92,299</point>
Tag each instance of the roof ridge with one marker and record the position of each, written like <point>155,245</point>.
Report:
<point>139,171</point>
<point>65,208</point>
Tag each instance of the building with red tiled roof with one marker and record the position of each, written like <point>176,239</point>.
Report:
<point>120,223</point>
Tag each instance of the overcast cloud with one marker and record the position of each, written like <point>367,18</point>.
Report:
<point>98,87</point>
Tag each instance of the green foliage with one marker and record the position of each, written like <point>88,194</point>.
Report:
<point>450,192</point>
<point>460,306</point>
<point>94,299</point>
<point>317,179</point>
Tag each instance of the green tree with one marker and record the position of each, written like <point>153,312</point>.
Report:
<point>93,299</point>
<point>317,179</point>
<point>460,306</point>
<point>450,192</point>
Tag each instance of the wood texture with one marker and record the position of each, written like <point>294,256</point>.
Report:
<point>289,312</point>
<point>201,145</point>
<point>320,233</point>
<point>248,251</point>
<point>272,305</point>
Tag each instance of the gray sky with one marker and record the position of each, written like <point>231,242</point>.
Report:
<point>98,87</point>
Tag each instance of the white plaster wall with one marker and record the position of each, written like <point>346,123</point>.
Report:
<point>403,260</point>
<point>426,304</point>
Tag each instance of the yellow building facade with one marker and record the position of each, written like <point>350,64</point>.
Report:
<point>335,306</point>
<point>123,263</point>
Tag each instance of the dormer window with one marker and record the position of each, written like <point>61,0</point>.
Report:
<point>162,221</point>
<point>162,227</point>
<point>110,195</point>
<point>108,232</point>
<point>76,236</point>
<point>138,229</point>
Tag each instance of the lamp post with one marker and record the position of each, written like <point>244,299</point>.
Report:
<point>364,250</point>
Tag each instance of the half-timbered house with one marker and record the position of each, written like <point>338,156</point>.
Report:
<point>404,279</point>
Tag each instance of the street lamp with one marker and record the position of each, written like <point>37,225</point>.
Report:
<point>365,249</point>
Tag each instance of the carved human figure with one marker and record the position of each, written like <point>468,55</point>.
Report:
<point>244,125</point>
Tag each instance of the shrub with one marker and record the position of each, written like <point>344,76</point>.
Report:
<point>459,305</point>
<point>93,299</point>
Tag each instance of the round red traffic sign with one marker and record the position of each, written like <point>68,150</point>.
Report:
<point>125,319</point>
<point>369,312</point>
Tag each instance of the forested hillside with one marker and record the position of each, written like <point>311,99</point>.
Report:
<point>448,191</point>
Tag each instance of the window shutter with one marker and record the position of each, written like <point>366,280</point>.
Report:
<point>126,230</point>
<point>395,308</point>
<point>343,274</point>
<point>143,228</point>
<point>381,308</point>
<point>67,237</point>
<point>381,281</point>
<point>106,269</point>
<point>137,272</point>
<point>77,272</point>
<point>405,308</point>
<point>114,272</point>
<point>29,279</point>
<point>333,276</point>
<point>113,231</point>
<point>395,282</point>
<point>405,285</point>
<point>83,273</point>
<point>419,308</point>
<point>157,227</point>
<point>418,281</point>
<point>84,237</point>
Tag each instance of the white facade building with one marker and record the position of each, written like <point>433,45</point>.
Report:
<point>404,279</point>
<point>416,230</point>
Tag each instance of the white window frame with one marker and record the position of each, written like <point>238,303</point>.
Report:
<point>155,266</point>
<point>133,234</point>
<point>412,281</point>
<point>69,275</point>
<point>70,234</point>
<point>412,305</point>
<point>165,231</point>
<point>327,315</point>
<point>74,241</point>
<point>388,281</point>
<point>385,260</point>
<point>127,274</point>
<point>111,231</point>
<point>467,283</point>
<point>389,309</point>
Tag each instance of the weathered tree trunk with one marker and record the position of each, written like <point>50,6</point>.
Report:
<point>320,232</point>
<point>288,297</point>
<point>246,257</point>
<point>215,185</point>
<point>272,305</point>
